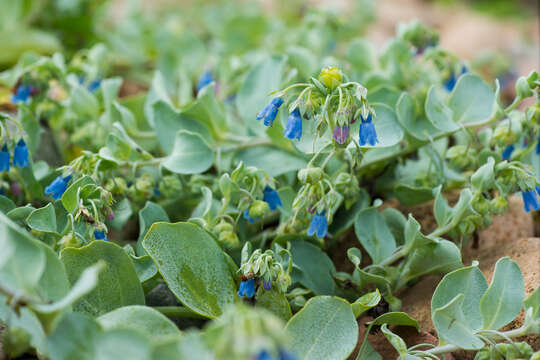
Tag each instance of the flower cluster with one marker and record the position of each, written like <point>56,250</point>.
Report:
<point>263,266</point>
<point>20,156</point>
<point>329,101</point>
<point>258,335</point>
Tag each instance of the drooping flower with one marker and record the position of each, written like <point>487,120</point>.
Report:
<point>507,152</point>
<point>530,200</point>
<point>293,129</point>
<point>538,146</point>
<point>94,85</point>
<point>205,79</point>
<point>271,196</point>
<point>367,132</point>
<point>319,225</point>
<point>340,134</point>
<point>269,112</point>
<point>247,288</point>
<point>4,159</point>
<point>267,284</point>
<point>20,154</point>
<point>249,218</point>
<point>57,187</point>
<point>22,94</point>
<point>99,234</point>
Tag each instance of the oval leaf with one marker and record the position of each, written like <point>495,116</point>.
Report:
<point>324,329</point>
<point>190,154</point>
<point>193,265</point>
<point>503,299</point>
<point>118,284</point>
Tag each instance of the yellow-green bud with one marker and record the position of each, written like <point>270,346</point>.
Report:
<point>283,281</point>
<point>499,205</point>
<point>69,240</point>
<point>523,90</point>
<point>117,186</point>
<point>310,175</point>
<point>223,226</point>
<point>229,239</point>
<point>170,186</point>
<point>16,341</point>
<point>258,209</point>
<point>331,77</point>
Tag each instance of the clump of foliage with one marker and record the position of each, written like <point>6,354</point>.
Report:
<point>216,197</point>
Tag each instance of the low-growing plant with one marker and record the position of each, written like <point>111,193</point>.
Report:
<point>223,203</point>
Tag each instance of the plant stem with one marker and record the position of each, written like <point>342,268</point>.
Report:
<point>393,258</point>
<point>451,348</point>
<point>246,145</point>
<point>410,149</point>
<point>178,312</point>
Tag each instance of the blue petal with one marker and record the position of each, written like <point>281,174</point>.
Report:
<point>57,187</point>
<point>94,85</point>
<point>318,226</point>
<point>367,132</point>
<point>293,129</point>
<point>20,154</point>
<point>22,94</point>
<point>4,159</point>
<point>249,218</point>
<point>530,200</point>
<point>267,284</point>
<point>269,112</point>
<point>205,79</point>
<point>507,153</point>
<point>538,146</point>
<point>247,288</point>
<point>285,355</point>
<point>271,196</point>
<point>264,355</point>
<point>100,235</point>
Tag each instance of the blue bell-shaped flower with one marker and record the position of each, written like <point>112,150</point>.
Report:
<point>530,200</point>
<point>269,112</point>
<point>247,288</point>
<point>319,225</point>
<point>271,196</point>
<point>20,154</point>
<point>4,159</point>
<point>367,132</point>
<point>57,187</point>
<point>293,129</point>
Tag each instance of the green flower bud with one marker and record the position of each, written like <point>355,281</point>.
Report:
<point>223,225</point>
<point>508,131</point>
<point>283,281</point>
<point>16,341</point>
<point>331,77</point>
<point>498,205</point>
<point>255,329</point>
<point>523,90</point>
<point>69,240</point>
<point>145,185</point>
<point>170,186</point>
<point>116,186</point>
<point>310,175</point>
<point>258,209</point>
<point>461,156</point>
<point>229,239</point>
<point>481,205</point>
